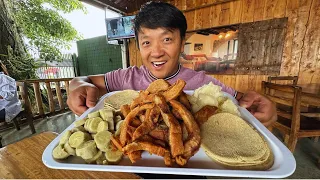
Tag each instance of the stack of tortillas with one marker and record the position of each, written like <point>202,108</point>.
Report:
<point>121,98</point>
<point>233,143</point>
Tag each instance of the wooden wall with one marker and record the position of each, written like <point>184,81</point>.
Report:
<point>301,51</point>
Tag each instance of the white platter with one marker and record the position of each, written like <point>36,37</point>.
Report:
<point>200,164</point>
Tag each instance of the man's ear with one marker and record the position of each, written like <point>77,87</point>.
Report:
<point>182,45</point>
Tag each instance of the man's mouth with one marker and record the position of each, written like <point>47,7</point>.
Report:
<point>158,64</point>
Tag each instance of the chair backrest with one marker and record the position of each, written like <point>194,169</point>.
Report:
<point>23,95</point>
<point>288,95</point>
<point>276,79</point>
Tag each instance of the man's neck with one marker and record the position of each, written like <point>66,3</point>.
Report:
<point>176,72</point>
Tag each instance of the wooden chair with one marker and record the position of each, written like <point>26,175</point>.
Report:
<point>284,79</point>
<point>289,122</point>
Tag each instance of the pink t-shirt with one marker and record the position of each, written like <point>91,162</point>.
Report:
<point>139,79</point>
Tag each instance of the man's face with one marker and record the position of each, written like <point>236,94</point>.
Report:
<point>160,50</point>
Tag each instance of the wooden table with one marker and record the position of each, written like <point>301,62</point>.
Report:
<point>23,160</point>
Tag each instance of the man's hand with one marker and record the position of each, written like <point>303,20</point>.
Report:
<point>85,92</point>
<point>82,98</point>
<point>260,107</point>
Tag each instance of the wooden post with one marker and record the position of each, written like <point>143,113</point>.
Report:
<point>59,95</point>
<point>36,88</point>
<point>27,105</point>
<point>67,87</point>
<point>50,97</point>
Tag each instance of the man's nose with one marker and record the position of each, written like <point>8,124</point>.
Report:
<point>157,50</point>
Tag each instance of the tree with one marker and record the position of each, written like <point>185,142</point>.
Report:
<point>34,26</point>
<point>45,29</point>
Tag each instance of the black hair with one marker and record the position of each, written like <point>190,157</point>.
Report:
<point>155,15</point>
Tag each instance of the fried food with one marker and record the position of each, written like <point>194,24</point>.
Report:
<point>204,113</point>
<point>149,124</point>
<point>192,145</point>
<point>175,132</point>
<point>175,90</point>
<point>129,118</point>
<point>183,98</point>
<point>145,146</point>
<point>135,156</point>
<point>158,86</point>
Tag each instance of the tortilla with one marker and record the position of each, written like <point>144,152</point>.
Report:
<point>121,98</point>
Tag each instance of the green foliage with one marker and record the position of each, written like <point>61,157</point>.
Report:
<point>20,68</point>
<point>46,30</point>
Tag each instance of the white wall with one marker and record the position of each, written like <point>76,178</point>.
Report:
<point>208,42</point>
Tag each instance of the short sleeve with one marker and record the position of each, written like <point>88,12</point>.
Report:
<point>114,80</point>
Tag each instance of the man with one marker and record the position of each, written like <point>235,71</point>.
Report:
<point>10,106</point>
<point>160,30</point>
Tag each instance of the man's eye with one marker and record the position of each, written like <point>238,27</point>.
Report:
<point>145,43</point>
<point>167,39</point>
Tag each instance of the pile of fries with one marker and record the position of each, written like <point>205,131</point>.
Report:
<point>159,121</point>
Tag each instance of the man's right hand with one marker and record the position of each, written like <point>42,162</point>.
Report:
<point>82,98</point>
<point>85,91</point>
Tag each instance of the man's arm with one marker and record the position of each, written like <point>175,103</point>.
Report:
<point>85,92</point>
<point>96,80</point>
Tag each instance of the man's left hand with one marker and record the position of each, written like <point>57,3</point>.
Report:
<point>260,107</point>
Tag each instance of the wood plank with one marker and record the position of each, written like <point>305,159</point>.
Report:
<point>235,12</point>
<point>280,9</point>
<point>206,19</point>
<point>247,10</point>
<point>183,4</point>
<point>198,23</point>
<point>190,16</point>
<point>309,62</point>
<point>260,65</point>
<point>252,82</point>
<point>139,59</point>
<point>131,52</point>
<point>215,15</point>
<point>269,9</point>
<point>299,35</point>
<point>225,14</point>
<point>288,66</point>
<point>190,4</point>
<point>178,4</point>
<point>259,79</point>
<point>66,84</point>
<point>242,83</point>
<point>259,8</point>
<point>59,95</point>
<point>36,87</point>
<point>50,97</point>
<point>199,3</point>
<point>254,49</point>
<point>229,80</point>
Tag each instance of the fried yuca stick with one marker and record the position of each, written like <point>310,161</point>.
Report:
<point>175,132</point>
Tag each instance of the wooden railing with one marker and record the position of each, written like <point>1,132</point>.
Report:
<point>46,93</point>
